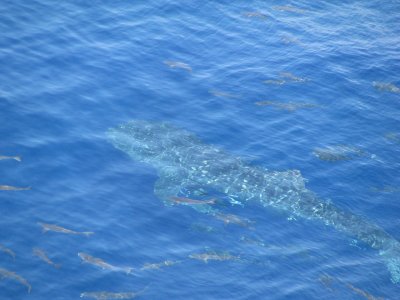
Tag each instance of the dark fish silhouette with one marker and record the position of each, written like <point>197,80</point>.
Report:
<point>338,153</point>
<point>184,200</point>
<point>232,219</point>
<point>7,250</point>
<point>363,293</point>
<point>289,76</point>
<point>289,9</point>
<point>4,273</point>
<point>217,93</point>
<point>289,106</point>
<point>102,264</point>
<point>17,158</point>
<point>386,87</point>
<point>255,14</point>
<point>178,65</point>
<point>213,256</point>
<point>42,255</point>
<point>275,81</point>
<point>13,188</point>
<point>157,266</point>
<point>109,295</point>
<point>56,228</point>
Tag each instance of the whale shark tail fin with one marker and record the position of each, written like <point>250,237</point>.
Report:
<point>392,260</point>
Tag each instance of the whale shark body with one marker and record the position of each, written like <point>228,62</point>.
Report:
<point>184,163</point>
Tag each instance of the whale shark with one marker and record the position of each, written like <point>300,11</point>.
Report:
<point>185,164</point>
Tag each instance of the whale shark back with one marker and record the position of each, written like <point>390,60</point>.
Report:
<point>185,166</point>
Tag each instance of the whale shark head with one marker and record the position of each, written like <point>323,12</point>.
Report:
<point>149,141</point>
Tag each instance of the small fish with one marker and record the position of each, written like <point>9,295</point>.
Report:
<point>264,103</point>
<point>327,156</point>
<point>13,188</point>
<point>363,293</point>
<point>232,219</point>
<point>385,189</point>
<point>393,136</point>
<point>255,14</point>
<point>338,153</point>
<point>326,281</point>
<point>12,275</point>
<point>289,106</point>
<point>291,77</point>
<point>275,81</point>
<point>178,64</point>
<point>102,264</point>
<point>17,158</point>
<point>213,256</point>
<point>56,228</point>
<point>386,87</point>
<point>183,200</point>
<point>109,295</point>
<point>41,254</point>
<point>217,93</point>
<point>157,266</point>
<point>7,250</point>
<point>290,40</point>
<point>148,266</point>
<point>289,9</point>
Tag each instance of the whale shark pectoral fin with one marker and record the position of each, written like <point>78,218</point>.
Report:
<point>393,265</point>
<point>392,259</point>
<point>167,186</point>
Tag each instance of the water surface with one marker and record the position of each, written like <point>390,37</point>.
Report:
<point>72,70</point>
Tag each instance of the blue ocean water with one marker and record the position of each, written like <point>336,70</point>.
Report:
<point>267,81</point>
